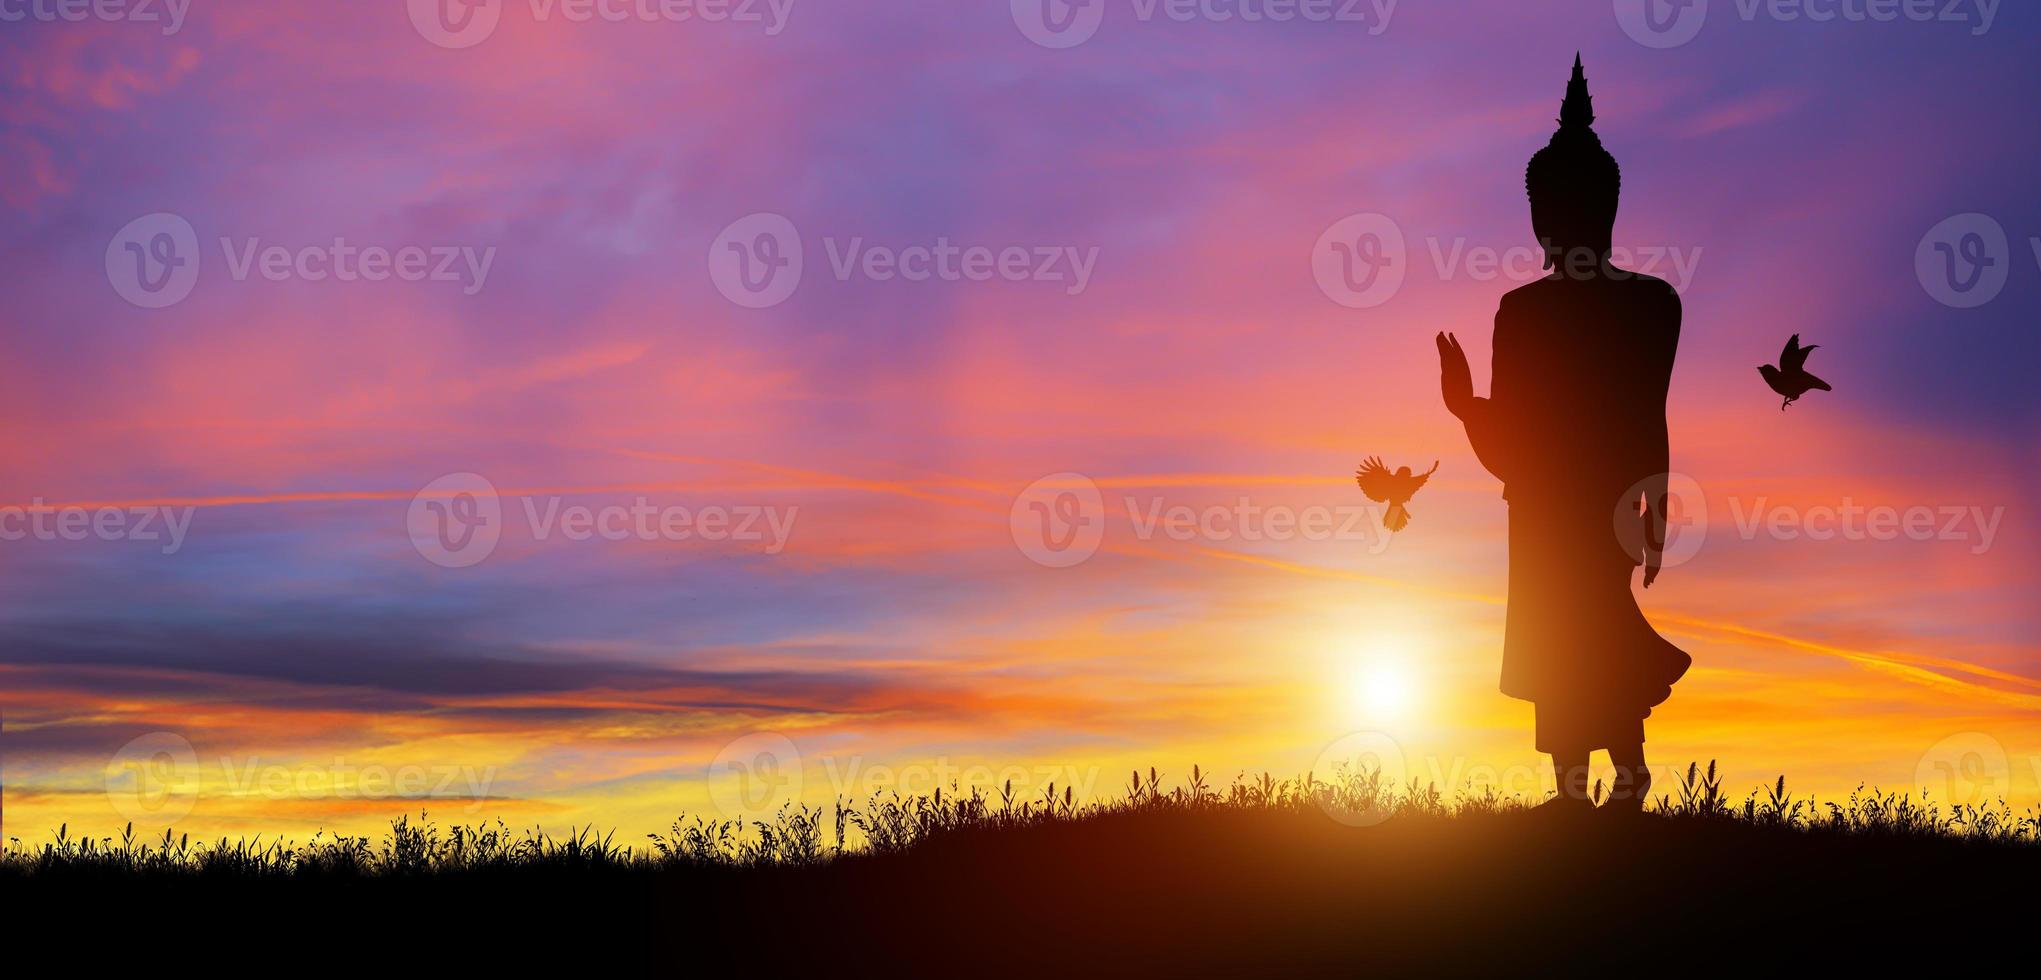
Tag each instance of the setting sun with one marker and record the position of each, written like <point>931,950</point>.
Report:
<point>1383,679</point>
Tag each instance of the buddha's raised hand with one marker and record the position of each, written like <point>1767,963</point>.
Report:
<point>1456,381</point>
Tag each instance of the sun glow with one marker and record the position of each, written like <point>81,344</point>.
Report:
<point>1383,678</point>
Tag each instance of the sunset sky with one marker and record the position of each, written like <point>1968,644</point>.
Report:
<point>296,659</point>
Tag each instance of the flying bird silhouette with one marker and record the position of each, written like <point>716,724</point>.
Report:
<point>1394,488</point>
<point>1790,377</point>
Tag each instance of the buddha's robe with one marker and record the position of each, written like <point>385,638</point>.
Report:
<point>1575,428</point>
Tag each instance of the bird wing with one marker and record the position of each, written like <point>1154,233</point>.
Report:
<point>1417,482</point>
<point>1791,359</point>
<point>1375,479</point>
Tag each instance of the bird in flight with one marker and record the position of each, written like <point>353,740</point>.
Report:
<point>1790,377</point>
<point>1395,489</point>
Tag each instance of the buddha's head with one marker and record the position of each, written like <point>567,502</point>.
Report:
<point>1573,182</point>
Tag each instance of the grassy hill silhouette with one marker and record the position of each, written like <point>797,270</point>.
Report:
<point>1347,876</point>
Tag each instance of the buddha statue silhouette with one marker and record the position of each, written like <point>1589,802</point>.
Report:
<point>1575,427</point>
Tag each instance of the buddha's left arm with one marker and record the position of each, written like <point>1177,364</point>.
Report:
<point>1656,469</point>
<point>1665,350</point>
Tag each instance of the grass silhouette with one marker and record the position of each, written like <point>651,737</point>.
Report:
<point>888,823</point>
<point>1297,875</point>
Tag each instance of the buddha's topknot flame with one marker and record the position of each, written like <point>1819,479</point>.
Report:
<point>1574,168</point>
